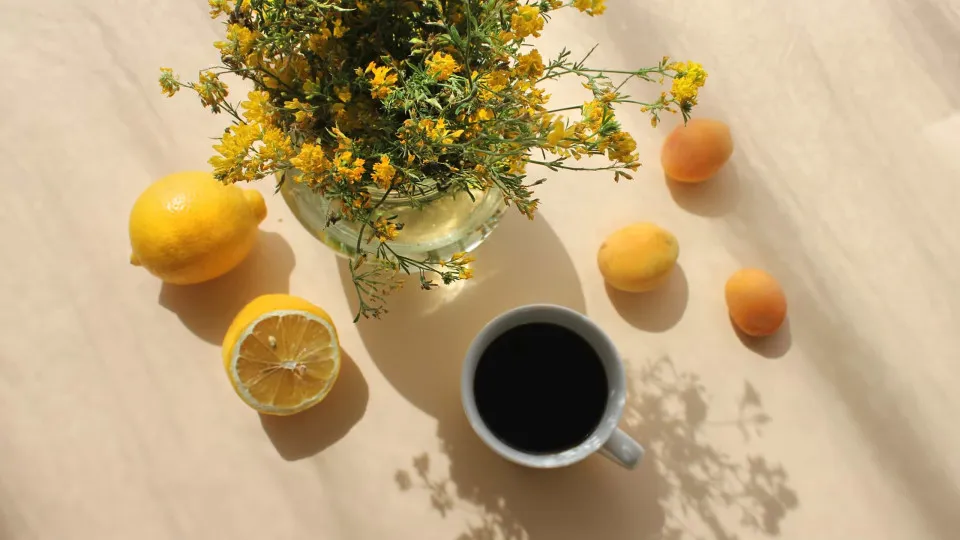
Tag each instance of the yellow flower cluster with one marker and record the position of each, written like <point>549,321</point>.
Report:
<point>231,164</point>
<point>385,230</point>
<point>526,22</point>
<point>621,147</point>
<point>560,135</point>
<point>383,80</point>
<point>240,40</point>
<point>168,82</point>
<point>211,89</point>
<point>460,260</point>
<point>441,66</point>
<point>312,162</point>
<point>226,7</point>
<point>349,169</point>
<point>384,173</point>
<point>303,111</point>
<point>530,65</point>
<point>276,146</point>
<point>257,108</point>
<point>690,78</point>
<point>590,7</point>
<point>436,131</point>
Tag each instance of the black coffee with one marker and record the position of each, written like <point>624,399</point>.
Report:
<point>540,388</point>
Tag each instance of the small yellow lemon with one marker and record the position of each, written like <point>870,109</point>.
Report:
<point>638,258</point>
<point>281,354</point>
<point>188,227</point>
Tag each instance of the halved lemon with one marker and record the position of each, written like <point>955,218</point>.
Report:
<point>281,354</point>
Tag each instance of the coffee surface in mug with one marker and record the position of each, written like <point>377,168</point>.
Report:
<point>540,388</point>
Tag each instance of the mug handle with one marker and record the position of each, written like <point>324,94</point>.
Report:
<point>622,450</point>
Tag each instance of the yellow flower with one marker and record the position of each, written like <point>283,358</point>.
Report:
<point>240,40</point>
<point>622,147</point>
<point>219,7</point>
<point>384,172</point>
<point>169,83</point>
<point>560,135</point>
<point>687,83</point>
<point>527,22</point>
<point>382,82</point>
<point>465,273</point>
<point>482,115</point>
<point>461,258</point>
<point>343,142</point>
<point>441,66</point>
<point>276,145</point>
<point>257,108</point>
<point>438,132</point>
<point>518,165</point>
<point>594,113</point>
<point>492,83</point>
<point>338,29</point>
<point>590,7</point>
<point>211,90</point>
<point>225,7</point>
<point>303,112</point>
<point>233,148</point>
<point>312,161</point>
<point>385,230</point>
<point>343,93</point>
<point>317,42</point>
<point>530,65</point>
<point>349,169</point>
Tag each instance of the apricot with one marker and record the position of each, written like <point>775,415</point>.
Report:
<point>695,152</point>
<point>756,302</point>
<point>638,258</point>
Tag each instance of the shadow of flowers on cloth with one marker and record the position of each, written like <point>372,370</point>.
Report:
<point>686,488</point>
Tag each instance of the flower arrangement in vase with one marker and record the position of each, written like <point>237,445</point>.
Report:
<point>399,129</point>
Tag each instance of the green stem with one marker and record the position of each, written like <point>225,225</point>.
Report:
<point>570,108</point>
<point>556,165</point>
<point>363,225</point>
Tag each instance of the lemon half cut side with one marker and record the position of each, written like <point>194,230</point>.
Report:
<point>282,361</point>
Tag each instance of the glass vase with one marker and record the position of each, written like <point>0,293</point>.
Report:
<point>436,223</point>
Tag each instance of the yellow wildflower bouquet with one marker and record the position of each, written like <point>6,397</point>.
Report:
<point>360,99</point>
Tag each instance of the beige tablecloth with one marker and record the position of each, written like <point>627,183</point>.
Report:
<point>116,420</point>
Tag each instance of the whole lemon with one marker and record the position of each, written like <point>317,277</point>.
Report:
<point>756,302</point>
<point>638,258</point>
<point>696,151</point>
<point>188,227</point>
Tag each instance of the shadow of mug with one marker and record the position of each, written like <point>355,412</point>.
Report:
<point>594,498</point>
<point>686,488</point>
<point>419,347</point>
<point>208,308</point>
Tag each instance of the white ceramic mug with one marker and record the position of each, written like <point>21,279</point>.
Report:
<point>606,438</point>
